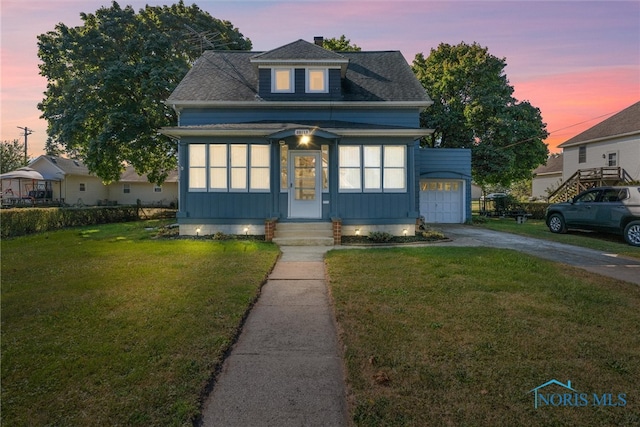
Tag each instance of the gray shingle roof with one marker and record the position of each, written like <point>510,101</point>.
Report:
<point>229,76</point>
<point>554,165</point>
<point>299,50</point>
<point>626,121</point>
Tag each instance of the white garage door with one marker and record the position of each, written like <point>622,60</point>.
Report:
<point>441,201</point>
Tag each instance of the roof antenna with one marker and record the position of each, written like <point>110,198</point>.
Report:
<point>205,37</point>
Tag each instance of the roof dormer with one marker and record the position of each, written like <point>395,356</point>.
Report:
<point>300,70</point>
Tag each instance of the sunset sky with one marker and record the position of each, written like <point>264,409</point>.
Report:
<point>578,61</point>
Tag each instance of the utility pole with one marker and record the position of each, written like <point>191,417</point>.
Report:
<point>27,132</point>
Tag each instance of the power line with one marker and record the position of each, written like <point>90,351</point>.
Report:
<point>558,130</point>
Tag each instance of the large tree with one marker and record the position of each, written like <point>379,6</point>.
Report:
<point>341,43</point>
<point>474,108</point>
<point>108,78</point>
<point>11,155</point>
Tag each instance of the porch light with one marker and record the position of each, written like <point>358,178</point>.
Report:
<point>305,139</point>
<point>404,231</point>
<point>197,231</point>
<point>357,231</point>
<point>246,230</point>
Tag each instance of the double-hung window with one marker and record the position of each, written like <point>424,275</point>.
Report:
<point>349,160</point>
<point>394,168</point>
<point>198,167</point>
<point>218,167</point>
<point>582,154</point>
<point>259,167</point>
<point>373,168</point>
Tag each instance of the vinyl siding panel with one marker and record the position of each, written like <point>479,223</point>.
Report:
<point>405,117</point>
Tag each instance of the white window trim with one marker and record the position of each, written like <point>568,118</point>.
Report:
<point>126,188</point>
<point>325,78</point>
<point>228,170</point>
<point>292,83</point>
<point>204,167</point>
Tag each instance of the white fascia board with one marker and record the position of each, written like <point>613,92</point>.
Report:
<point>178,105</point>
<point>604,138</point>
<point>263,63</point>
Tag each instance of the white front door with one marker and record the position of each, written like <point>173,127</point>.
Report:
<point>305,184</point>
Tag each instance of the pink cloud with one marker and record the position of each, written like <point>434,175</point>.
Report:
<point>579,98</point>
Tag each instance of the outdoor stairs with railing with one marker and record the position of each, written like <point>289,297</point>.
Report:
<point>303,234</point>
<point>585,179</point>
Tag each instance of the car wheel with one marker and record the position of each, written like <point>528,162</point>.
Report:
<point>632,233</point>
<point>556,223</point>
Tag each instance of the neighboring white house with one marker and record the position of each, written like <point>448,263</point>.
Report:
<point>133,187</point>
<point>70,182</point>
<point>547,177</point>
<point>614,142</point>
<point>604,154</point>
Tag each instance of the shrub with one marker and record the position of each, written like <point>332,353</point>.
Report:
<point>433,235</point>
<point>18,222</point>
<point>380,236</point>
<point>536,210</point>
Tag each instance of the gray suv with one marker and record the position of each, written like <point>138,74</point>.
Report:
<point>609,209</point>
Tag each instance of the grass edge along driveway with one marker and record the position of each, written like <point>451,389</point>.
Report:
<point>106,326</point>
<point>460,336</point>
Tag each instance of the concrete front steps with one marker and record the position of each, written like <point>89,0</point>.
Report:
<point>303,234</point>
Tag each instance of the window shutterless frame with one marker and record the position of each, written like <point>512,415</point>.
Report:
<point>282,80</point>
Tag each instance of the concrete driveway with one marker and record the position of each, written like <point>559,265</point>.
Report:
<point>612,265</point>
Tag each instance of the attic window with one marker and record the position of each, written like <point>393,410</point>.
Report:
<point>317,80</point>
<point>282,80</point>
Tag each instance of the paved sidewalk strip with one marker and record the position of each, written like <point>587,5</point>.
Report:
<point>285,369</point>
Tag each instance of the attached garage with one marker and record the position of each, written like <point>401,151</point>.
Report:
<point>442,201</point>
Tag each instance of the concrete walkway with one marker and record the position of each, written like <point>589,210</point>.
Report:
<point>285,369</point>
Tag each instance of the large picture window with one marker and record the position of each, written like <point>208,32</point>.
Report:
<point>231,167</point>
<point>382,169</point>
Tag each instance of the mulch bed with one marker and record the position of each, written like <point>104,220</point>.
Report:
<point>395,240</point>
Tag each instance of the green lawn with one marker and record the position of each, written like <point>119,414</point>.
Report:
<point>537,228</point>
<point>107,326</point>
<point>445,336</point>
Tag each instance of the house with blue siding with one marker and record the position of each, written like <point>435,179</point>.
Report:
<point>300,139</point>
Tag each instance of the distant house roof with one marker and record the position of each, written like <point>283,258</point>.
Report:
<point>68,166</point>
<point>130,175</point>
<point>626,122</point>
<point>553,166</point>
<point>230,77</point>
<point>76,167</point>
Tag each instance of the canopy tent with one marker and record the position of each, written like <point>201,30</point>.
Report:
<point>24,190</point>
<point>23,173</point>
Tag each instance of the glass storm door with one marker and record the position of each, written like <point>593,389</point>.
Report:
<point>305,185</point>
